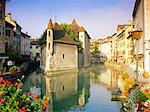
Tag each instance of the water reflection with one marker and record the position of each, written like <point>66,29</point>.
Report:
<point>85,91</point>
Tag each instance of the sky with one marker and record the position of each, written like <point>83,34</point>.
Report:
<point>99,17</point>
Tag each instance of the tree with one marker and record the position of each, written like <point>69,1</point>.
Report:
<point>73,35</point>
<point>43,37</point>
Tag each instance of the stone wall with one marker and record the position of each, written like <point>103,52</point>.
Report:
<point>83,36</point>
<point>65,57</point>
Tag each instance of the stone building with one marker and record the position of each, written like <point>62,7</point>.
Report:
<point>84,58</point>
<point>17,32</point>
<point>141,20</point>
<point>9,36</point>
<point>2,30</point>
<point>25,45</point>
<point>59,51</point>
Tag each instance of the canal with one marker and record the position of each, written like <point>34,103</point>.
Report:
<point>89,90</point>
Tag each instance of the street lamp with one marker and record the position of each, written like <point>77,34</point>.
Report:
<point>137,34</point>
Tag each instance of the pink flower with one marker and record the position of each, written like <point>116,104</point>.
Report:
<point>16,83</point>
<point>1,100</point>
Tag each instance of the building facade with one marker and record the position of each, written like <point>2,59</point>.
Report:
<point>105,48</point>
<point>61,51</point>
<point>9,36</point>
<point>84,57</point>
<point>25,44</point>
<point>17,32</point>
<point>2,31</point>
<point>141,19</point>
<point>2,26</point>
<point>35,50</point>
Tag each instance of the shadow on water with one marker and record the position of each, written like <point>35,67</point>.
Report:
<point>87,90</point>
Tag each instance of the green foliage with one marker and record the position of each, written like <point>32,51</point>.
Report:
<point>13,69</point>
<point>73,35</point>
<point>13,99</point>
<point>13,53</point>
<point>43,37</point>
<point>95,50</point>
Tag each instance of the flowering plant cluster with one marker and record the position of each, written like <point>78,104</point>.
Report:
<point>137,101</point>
<point>13,99</point>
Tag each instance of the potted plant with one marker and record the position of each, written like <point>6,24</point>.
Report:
<point>13,70</point>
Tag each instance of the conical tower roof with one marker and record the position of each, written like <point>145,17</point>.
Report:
<point>50,25</point>
<point>74,22</point>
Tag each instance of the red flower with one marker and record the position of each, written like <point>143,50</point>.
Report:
<point>1,100</point>
<point>35,97</point>
<point>1,79</point>
<point>9,83</point>
<point>16,83</point>
<point>44,109</point>
<point>19,86</point>
<point>22,109</point>
<point>45,103</point>
<point>29,93</point>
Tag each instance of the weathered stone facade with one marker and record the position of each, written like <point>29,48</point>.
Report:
<point>85,39</point>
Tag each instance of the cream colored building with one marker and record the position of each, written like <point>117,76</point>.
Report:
<point>141,19</point>
<point>105,48</point>
<point>35,50</point>
<point>59,52</point>
<point>123,43</point>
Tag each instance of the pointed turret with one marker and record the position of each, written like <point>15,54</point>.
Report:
<point>50,25</point>
<point>74,22</point>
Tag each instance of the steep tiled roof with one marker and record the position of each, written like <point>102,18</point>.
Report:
<point>25,35</point>
<point>76,28</point>
<point>56,26</point>
<point>74,22</point>
<point>61,37</point>
<point>81,29</point>
<point>50,25</point>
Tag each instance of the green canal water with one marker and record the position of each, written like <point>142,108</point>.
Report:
<point>88,90</point>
